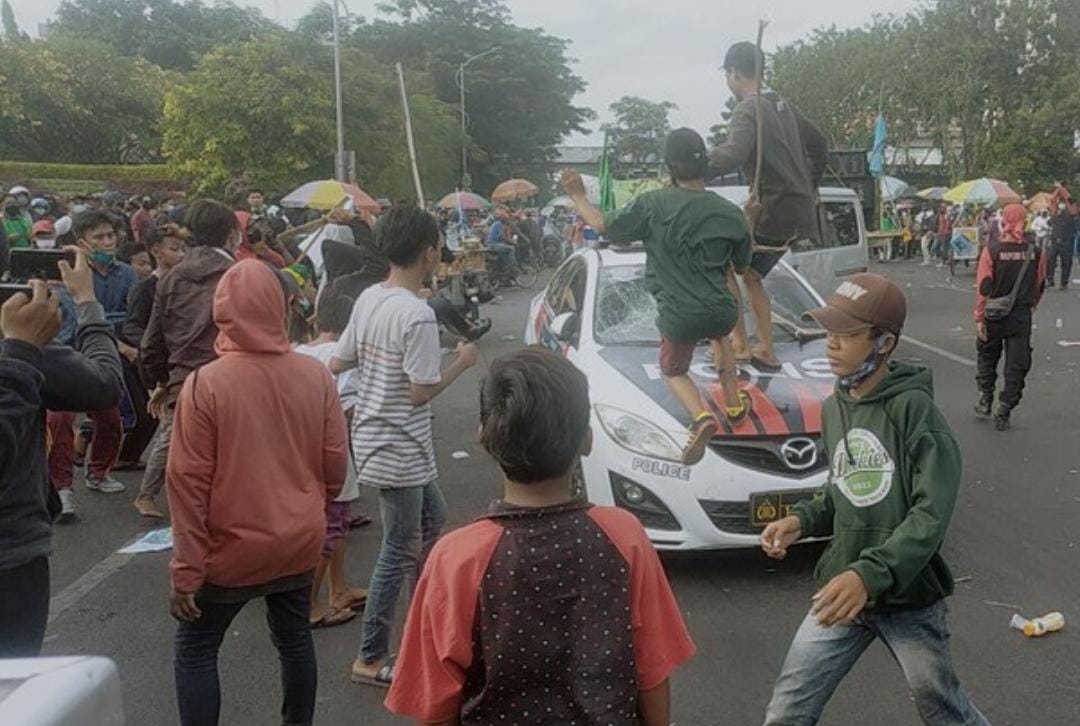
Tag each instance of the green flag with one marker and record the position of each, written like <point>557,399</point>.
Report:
<point>607,186</point>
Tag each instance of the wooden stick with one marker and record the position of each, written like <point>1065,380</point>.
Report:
<point>409,137</point>
<point>303,228</point>
<point>759,66</point>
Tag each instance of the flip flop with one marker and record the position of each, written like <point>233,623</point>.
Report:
<point>701,433</point>
<point>765,365</point>
<point>746,406</point>
<point>360,520</point>
<point>382,678</point>
<point>334,617</point>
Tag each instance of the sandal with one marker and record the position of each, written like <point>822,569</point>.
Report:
<point>737,414</point>
<point>383,678</point>
<point>765,365</point>
<point>356,599</point>
<point>360,520</point>
<point>701,433</point>
<point>334,616</point>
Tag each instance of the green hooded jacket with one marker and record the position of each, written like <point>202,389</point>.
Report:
<point>890,493</point>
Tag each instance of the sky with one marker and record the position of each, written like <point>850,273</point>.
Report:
<point>666,50</point>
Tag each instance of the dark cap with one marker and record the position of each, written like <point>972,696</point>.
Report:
<point>685,146</point>
<point>863,301</point>
<point>743,57</point>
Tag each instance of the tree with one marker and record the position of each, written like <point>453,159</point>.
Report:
<point>54,110</point>
<point>318,23</point>
<point>519,100</point>
<point>264,111</point>
<point>718,133</point>
<point>639,130</point>
<point>11,26</point>
<point>169,34</point>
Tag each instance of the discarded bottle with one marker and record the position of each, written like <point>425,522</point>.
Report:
<point>1037,627</point>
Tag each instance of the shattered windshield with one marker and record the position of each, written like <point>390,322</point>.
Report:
<point>626,312</point>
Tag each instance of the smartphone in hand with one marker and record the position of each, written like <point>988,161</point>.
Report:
<point>9,290</point>
<point>26,264</point>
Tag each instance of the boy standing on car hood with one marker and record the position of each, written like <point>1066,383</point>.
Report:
<point>893,483</point>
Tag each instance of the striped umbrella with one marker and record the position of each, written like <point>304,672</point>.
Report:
<point>463,200</point>
<point>327,194</point>
<point>983,191</point>
<point>513,190</point>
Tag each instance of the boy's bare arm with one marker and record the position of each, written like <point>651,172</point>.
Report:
<point>654,705</point>
<point>421,393</point>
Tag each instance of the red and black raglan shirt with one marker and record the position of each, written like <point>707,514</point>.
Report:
<point>539,615</point>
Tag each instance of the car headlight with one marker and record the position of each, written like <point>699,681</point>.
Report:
<point>636,434</point>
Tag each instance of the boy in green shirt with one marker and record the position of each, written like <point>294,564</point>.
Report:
<point>893,483</point>
<point>691,237</point>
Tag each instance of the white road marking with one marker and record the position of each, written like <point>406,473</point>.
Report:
<point>81,587</point>
<point>940,351</point>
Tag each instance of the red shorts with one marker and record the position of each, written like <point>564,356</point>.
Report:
<point>675,358</point>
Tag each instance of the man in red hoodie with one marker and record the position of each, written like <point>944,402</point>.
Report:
<point>256,454</point>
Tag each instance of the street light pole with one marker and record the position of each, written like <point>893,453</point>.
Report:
<point>465,180</point>
<point>339,157</point>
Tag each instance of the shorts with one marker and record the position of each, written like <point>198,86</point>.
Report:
<point>338,515</point>
<point>675,358</point>
<point>762,262</point>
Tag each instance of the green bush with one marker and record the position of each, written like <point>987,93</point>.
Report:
<point>28,170</point>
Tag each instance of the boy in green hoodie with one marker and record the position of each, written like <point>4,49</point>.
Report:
<point>894,478</point>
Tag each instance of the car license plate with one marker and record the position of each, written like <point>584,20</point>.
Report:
<point>769,507</point>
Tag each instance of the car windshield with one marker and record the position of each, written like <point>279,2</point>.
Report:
<point>626,311</point>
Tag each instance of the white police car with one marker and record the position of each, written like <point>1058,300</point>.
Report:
<point>597,312</point>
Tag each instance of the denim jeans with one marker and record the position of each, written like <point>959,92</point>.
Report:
<point>412,519</point>
<point>507,255</point>
<point>195,665</point>
<point>820,657</point>
<point>24,608</point>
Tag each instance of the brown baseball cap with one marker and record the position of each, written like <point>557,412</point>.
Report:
<point>863,301</point>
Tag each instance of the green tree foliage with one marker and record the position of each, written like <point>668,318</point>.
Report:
<point>992,82</point>
<point>264,111</point>
<point>72,100</point>
<point>639,129</point>
<point>169,34</point>
<point>11,26</point>
<point>519,100</point>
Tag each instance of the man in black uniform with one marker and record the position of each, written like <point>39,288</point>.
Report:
<point>1011,276</point>
<point>1062,231</point>
<point>794,156</point>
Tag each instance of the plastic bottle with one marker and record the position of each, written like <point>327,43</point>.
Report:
<point>1037,627</point>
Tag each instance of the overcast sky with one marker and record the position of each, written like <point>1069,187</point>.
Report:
<point>663,50</point>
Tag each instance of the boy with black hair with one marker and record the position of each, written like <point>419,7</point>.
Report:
<point>692,238</point>
<point>892,488</point>
<point>393,340</point>
<point>332,316</point>
<point>548,609</point>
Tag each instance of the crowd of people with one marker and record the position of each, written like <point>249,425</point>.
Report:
<point>270,380</point>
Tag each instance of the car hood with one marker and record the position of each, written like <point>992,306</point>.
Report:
<point>785,403</point>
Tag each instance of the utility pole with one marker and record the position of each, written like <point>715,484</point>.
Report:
<point>466,182</point>
<point>339,156</point>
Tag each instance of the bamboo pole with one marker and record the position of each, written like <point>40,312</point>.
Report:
<point>409,137</point>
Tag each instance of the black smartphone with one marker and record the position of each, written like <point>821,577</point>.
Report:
<point>9,290</point>
<point>38,264</point>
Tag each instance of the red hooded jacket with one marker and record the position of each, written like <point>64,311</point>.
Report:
<point>258,447</point>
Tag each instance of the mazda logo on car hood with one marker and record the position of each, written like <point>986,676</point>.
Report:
<point>799,453</point>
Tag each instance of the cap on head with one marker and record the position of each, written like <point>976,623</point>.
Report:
<point>43,226</point>
<point>744,57</point>
<point>684,146</point>
<point>861,302</point>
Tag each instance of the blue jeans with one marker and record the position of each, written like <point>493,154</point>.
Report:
<point>195,664</point>
<point>820,657</point>
<point>507,255</point>
<point>412,519</point>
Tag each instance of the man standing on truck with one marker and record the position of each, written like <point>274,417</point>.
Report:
<point>786,213</point>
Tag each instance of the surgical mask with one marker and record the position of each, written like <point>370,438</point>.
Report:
<point>45,243</point>
<point>867,367</point>
<point>102,257</point>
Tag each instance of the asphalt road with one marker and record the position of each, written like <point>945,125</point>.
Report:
<point>1013,542</point>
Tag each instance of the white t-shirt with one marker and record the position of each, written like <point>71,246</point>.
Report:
<point>394,340</point>
<point>346,385</point>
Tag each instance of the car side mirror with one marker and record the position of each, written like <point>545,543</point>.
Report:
<point>565,327</point>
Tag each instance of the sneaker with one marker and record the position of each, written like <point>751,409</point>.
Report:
<point>1001,419</point>
<point>107,485</point>
<point>985,405</point>
<point>481,329</point>
<point>67,505</point>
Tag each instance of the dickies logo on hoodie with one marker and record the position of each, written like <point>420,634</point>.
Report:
<point>864,471</point>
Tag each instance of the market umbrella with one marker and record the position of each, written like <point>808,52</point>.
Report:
<point>934,194</point>
<point>983,191</point>
<point>463,200</point>
<point>327,194</point>
<point>893,189</point>
<point>513,190</point>
<point>1040,202</point>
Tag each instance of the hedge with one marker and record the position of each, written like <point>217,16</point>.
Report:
<point>26,170</point>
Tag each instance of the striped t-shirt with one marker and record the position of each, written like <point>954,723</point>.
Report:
<point>394,340</point>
